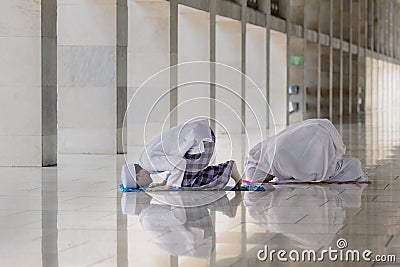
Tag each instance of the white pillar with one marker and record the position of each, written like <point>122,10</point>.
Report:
<point>368,85</point>
<point>256,108</point>
<point>228,51</point>
<point>228,106</point>
<point>91,75</point>
<point>148,53</point>
<point>193,45</point>
<point>278,86</point>
<point>28,83</point>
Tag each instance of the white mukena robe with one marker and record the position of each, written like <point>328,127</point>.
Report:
<point>308,151</point>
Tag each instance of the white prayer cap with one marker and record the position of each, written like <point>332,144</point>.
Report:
<point>128,175</point>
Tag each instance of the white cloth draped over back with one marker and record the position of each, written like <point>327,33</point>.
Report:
<point>307,151</point>
<point>166,152</point>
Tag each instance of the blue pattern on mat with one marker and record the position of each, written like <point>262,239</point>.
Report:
<point>245,187</point>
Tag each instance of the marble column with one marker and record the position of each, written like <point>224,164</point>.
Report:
<point>256,108</point>
<point>228,47</point>
<point>92,50</point>
<point>229,90</point>
<point>28,83</point>
<point>278,77</point>
<point>149,52</point>
<point>193,45</point>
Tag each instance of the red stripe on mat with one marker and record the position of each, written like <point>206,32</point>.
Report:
<point>367,182</point>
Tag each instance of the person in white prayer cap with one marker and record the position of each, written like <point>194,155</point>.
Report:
<point>184,152</point>
<point>308,151</point>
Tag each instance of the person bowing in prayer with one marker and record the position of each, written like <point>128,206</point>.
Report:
<point>308,151</point>
<point>184,152</point>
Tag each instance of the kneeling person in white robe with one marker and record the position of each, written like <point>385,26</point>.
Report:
<point>185,152</point>
<point>308,151</point>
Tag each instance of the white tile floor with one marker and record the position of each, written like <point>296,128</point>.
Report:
<point>72,215</point>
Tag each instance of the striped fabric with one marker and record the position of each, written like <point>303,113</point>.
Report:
<point>199,175</point>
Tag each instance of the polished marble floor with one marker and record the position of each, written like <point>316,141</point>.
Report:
<point>73,214</point>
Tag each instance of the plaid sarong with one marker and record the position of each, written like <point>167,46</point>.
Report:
<point>199,174</point>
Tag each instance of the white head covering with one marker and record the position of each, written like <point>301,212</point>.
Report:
<point>128,175</point>
<point>306,151</point>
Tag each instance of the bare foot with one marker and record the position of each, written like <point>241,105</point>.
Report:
<point>268,178</point>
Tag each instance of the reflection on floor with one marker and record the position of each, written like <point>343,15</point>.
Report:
<point>73,215</point>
